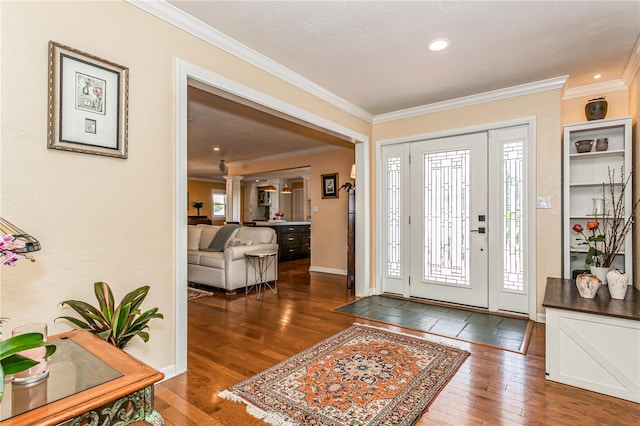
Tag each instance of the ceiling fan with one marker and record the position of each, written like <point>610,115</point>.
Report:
<point>222,166</point>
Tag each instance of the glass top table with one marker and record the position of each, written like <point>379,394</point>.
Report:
<point>72,369</point>
<point>90,382</point>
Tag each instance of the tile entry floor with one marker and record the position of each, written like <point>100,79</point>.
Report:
<point>494,330</point>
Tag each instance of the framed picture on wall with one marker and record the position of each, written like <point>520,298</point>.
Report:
<point>88,103</point>
<point>330,186</point>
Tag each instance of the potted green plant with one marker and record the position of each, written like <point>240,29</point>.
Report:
<point>198,205</point>
<point>11,362</point>
<point>115,324</point>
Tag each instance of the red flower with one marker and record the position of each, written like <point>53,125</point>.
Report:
<point>592,225</point>
<point>577,227</point>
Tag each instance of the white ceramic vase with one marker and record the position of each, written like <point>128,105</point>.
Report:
<point>587,285</point>
<point>618,282</point>
<point>601,273</point>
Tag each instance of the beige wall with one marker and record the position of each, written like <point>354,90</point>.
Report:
<point>201,191</point>
<point>101,218</point>
<point>617,106</point>
<point>329,224</point>
<point>545,107</point>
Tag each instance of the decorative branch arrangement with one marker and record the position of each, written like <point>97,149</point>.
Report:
<point>614,227</point>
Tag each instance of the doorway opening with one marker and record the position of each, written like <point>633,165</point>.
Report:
<point>186,75</point>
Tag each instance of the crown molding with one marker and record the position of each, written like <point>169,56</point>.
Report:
<point>594,89</point>
<point>494,95</point>
<point>284,155</point>
<point>208,180</point>
<point>633,64</point>
<point>174,16</point>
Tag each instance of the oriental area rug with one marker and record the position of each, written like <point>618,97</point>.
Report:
<point>361,376</point>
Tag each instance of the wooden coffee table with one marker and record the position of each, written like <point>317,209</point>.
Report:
<point>90,382</point>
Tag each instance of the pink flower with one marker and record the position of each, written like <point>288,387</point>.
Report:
<point>10,258</point>
<point>8,245</point>
<point>5,242</point>
<point>97,91</point>
<point>577,228</point>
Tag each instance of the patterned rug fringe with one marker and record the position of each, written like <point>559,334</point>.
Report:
<point>271,418</point>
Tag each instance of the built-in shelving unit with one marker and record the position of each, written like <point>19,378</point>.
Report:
<point>584,175</point>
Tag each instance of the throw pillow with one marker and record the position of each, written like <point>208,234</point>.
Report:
<point>222,236</point>
<point>233,242</point>
<point>193,237</point>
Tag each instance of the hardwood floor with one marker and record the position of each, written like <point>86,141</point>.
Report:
<point>234,337</point>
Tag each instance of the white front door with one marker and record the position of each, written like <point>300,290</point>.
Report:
<point>449,249</point>
<point>453,219</point>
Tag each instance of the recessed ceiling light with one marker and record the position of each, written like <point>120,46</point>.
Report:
<point>597,76</point>
<point>216,148</point>
<point>439,44</point>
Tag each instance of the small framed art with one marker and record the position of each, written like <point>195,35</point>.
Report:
<point>88,103</point>
<point>330,185</point>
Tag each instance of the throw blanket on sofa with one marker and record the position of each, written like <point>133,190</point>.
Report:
<point>221,237</point>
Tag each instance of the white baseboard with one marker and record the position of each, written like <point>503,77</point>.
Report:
<point>327,270</point>
<point>169,372</point>
<point>541,318</point>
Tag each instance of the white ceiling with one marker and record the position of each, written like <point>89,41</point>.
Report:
<point>373,54</point>
<point>244,134</point>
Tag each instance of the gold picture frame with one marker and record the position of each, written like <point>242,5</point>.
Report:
<point>88,103</point>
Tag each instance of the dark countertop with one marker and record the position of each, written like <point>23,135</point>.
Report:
<point>563,294</point>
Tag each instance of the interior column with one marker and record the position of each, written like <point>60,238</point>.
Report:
<point>234,194</point>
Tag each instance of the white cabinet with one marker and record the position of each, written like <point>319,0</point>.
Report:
<point>594,352</point>
<point>583,177</point>
<point>593,343</point>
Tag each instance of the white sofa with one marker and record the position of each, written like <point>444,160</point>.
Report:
<point>226,269</point>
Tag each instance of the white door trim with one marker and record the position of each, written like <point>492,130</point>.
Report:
<point>183,72</point>
<point>531,277</point>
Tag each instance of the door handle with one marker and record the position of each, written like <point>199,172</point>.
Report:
<point>481,230</point>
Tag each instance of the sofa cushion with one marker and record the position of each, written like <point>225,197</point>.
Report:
<point>232,242</point>
<point>207,234</point>
<point>222,236</point>
<point>212,259</point>
<point>193,237</point>
<point>193,257</point>
<point>257,234</point>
